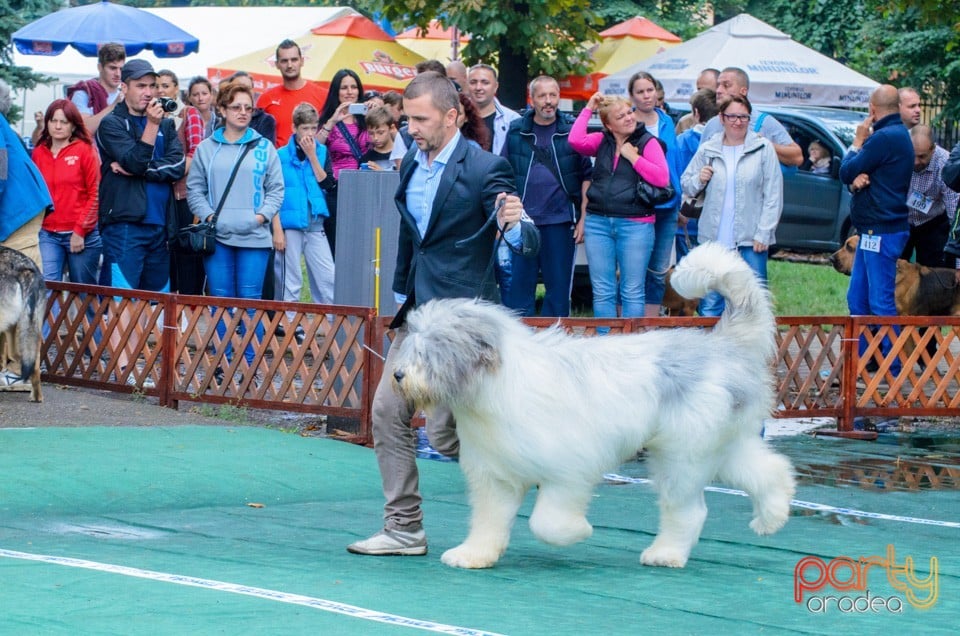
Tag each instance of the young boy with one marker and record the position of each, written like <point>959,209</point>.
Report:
<point>382,128</point>
<point>306,173</point>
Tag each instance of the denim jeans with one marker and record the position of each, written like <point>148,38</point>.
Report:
<point>873,282</point>
<point>135,256</point>
<point>617,244</point>
<point>712,304</point>
<point>683,248</point>
<point>237,272</point>
<point>83,266</point>
<point>665,231</point>
<point>555,261</point>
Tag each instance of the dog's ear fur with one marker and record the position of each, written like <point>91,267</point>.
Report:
<point>486,342</point>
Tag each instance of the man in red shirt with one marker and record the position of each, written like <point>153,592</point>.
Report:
<point>280,101</point>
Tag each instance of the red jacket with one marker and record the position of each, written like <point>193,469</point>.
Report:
<point>73,178</point>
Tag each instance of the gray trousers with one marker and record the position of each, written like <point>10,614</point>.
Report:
<point>394,444</point>
<point>312,244</point>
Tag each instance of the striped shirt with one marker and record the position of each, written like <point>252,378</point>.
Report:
<point>929,197</point>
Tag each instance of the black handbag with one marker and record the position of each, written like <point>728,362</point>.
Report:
<point>692,207</point>
<point>198,238</point>
<point>201,238</point>
<point>651,196</point>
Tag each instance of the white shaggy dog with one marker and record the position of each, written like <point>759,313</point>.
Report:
<point>556,411</point>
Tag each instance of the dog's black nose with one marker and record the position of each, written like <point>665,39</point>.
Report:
<point>398,375</point>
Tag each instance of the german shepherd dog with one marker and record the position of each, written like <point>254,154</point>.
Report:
<point>22,304</point>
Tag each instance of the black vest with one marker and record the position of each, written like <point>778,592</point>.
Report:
<point>613,192</point>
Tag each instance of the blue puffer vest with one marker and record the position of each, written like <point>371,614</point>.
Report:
<point>302,197</point>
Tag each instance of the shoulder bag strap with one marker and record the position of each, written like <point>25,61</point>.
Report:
<point>247,147</point>
<point>353,143</point>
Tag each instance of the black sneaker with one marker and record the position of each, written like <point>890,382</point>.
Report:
<point>300,335</point>
<point>218,375</point>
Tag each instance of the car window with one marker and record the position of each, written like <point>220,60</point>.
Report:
<point>844,130</point>
<point>804,133</point>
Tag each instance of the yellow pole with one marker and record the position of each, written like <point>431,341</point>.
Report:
<point>376,270</point>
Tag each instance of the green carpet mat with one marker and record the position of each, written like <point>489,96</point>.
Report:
<point>150,530</point>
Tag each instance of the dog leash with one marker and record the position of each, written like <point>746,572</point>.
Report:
<point>496,244</point>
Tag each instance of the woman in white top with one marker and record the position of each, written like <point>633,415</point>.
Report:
<point>744,191</point>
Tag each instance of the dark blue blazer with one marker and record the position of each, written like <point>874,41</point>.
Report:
<point>453,259</point>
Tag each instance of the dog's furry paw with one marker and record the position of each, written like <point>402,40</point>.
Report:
<point>768,525</point>
<point>664,557</point>
<point>465,556</point>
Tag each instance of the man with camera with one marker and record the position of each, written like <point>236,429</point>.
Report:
<point>141,157</point>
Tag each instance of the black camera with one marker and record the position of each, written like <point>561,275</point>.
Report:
<point>168,105</point>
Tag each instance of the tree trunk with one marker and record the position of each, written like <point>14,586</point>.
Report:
<point>513,76</point>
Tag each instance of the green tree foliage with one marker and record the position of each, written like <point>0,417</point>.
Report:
<point>13,15</point>
<point>539,36</point>
<point>906,47</point>
<point>831,27</point>
<point>901,42</point>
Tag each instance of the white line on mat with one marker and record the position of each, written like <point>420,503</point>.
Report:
<point>259,592</point>
<point>796,503</point>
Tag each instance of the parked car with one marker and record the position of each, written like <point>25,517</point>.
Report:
<point>816,207</point>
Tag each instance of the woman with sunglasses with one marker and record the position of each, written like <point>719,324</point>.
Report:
<point>744,191</point>
<point>236,268</point>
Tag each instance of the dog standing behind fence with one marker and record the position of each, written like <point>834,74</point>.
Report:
<point>22,304</point>
<point>555,411</point>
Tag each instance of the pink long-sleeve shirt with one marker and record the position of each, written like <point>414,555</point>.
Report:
<point>651,164</point>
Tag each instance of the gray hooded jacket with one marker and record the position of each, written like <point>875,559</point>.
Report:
<point>257,189</point>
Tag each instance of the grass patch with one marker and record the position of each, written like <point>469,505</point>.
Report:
<point>799,289</point>
<point>807,289</point>
<point>226,412</point>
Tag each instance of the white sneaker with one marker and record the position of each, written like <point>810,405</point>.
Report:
<point>392,543</point>
<point>10,381</point>
<point>147,383</point>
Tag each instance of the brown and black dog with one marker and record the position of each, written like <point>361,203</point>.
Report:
<point>674,304</point>
<point>920,290</point>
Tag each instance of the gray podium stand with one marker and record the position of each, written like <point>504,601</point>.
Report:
<point>366,210</point>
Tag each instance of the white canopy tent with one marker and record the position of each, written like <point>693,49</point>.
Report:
<point>224,32</point>
<point>781,71</point>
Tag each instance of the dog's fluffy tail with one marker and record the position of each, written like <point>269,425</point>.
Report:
<point>748,315</point>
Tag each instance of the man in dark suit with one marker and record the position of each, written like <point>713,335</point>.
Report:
<point>449,192</point>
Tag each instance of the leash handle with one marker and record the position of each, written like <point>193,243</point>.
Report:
<point>490,219</point>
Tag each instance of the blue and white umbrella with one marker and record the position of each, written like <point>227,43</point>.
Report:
<point>86,28</point>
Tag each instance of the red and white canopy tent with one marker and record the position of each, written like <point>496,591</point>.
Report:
<point>436,43</point>
<point>351,41</point>
<point>623,45</point>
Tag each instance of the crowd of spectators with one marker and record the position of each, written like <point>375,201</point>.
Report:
<point>123,174</point>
